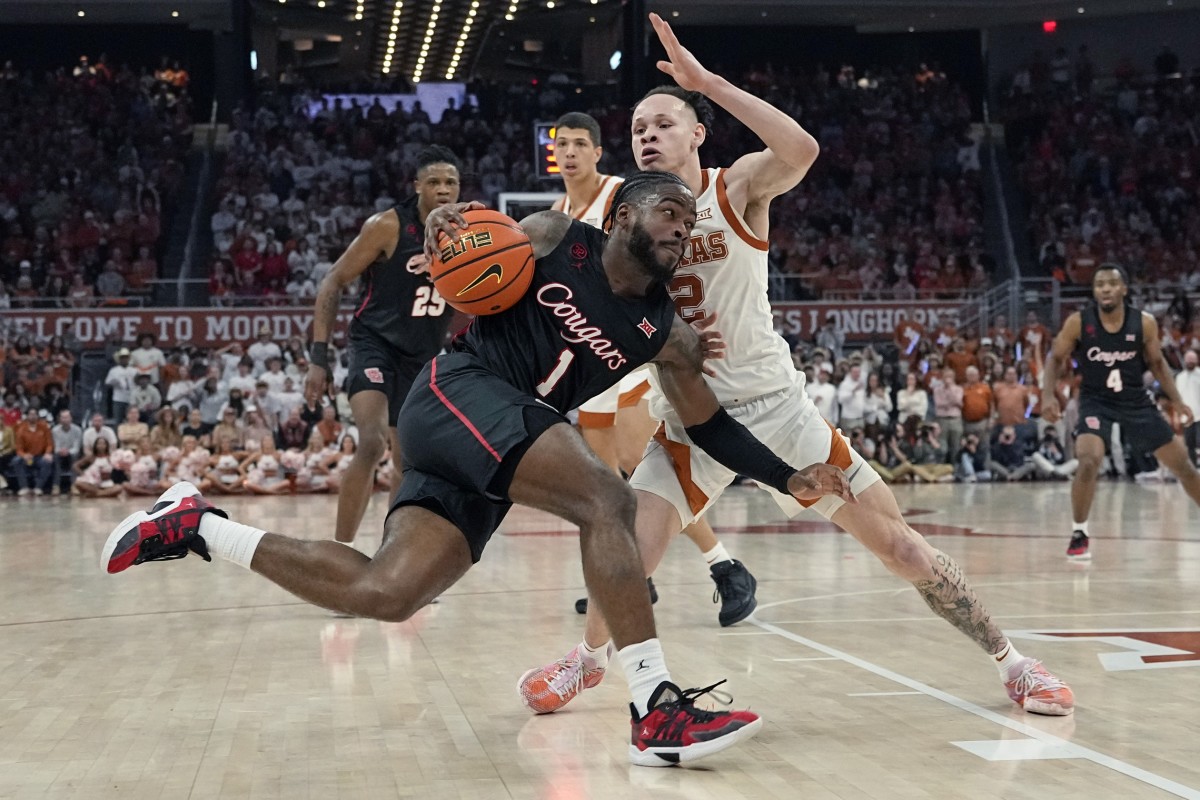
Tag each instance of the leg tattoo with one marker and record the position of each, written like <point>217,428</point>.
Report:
<point>952,599</point>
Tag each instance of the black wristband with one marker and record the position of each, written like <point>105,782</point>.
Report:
<point>730,443</point>
<point>320,355</point>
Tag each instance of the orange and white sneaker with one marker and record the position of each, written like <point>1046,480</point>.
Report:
<point>1037,691</point>
<point>544,690</point>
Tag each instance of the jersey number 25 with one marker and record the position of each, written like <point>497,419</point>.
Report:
<point>427,302</point>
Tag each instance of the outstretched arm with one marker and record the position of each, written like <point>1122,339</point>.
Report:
<point>1158,366</point>
<point>378,234</point>
<point>757,177</point>
<point>1060,351</point>
<point>712,429</point>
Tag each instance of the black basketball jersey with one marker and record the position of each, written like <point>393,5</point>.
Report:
<point>1112,364</point>
<point>398,305</point>
<point>570,337</point>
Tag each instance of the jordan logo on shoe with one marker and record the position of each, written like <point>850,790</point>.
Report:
<point>641,665</point>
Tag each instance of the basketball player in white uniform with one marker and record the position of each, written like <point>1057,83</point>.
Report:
<point>617,423</point>
<point>726,275</point>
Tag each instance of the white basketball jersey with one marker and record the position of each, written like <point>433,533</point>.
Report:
<point>597,208</point>
<point>725,273</point>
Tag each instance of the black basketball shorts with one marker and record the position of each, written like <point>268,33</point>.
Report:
<point>1144,428</point>
<point>462,432</point>
<point>376,366</point>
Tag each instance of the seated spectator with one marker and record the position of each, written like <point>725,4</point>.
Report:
<point>228,432</point>
<point>196,427</point>
<point>97,475</point>
<point>132,430</point>
<point>330,428</point>
<point>1050,461</point>
<point>225,477</point>
<point>145,397</point>
<point>294,432</point>
<point>1008,461</point>
<point>35,454</point>
<point>8,449</point>
<point>971,465</point>
<point>98,430</point>
<point>165,432</point>
<point>68,448</point>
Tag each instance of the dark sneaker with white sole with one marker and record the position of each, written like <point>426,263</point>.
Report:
<point>735,591</point>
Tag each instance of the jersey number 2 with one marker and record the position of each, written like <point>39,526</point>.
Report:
<point>1114,381</point>
<point>427,302</point>
<point>687,291</point>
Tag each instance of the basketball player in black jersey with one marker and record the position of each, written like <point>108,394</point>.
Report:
<point>398,326</point>
<point>1114,344</point>
<point>483,428</point>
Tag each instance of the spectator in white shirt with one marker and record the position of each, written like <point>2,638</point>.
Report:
<point>1188,383</point>
<point>263,349</point>
<point>824,395</point>
<point>120,380</point>
<point>274,376</point>
<point>912,400</point>
<point>244,379</point>
<point>230,356</point>
<point>98,430</point>
<point>289,398</point>
<point>147,358</point>
<point>224,220</point>
<point>877,408</point>
<point>852,397</point>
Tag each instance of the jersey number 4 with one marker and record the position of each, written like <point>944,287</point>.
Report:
<point>1114,381</point>
<point>427,302</point>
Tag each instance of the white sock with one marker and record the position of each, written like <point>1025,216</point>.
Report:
<point>230,540</point>
<point>717,555</point>
<point>645,668</point>
<point>596,658</point>
<point>1081,527</point>
<point>1006,659</point>
<point>348,544</point>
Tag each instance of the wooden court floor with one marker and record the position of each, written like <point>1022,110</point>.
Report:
<point>194,680</point>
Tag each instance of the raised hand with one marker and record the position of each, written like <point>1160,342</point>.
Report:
<point>682,66</point>
<point>447,219</point>
<point>816,481</point>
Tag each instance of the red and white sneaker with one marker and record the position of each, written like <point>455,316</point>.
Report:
<point>544,690</point>
<point>675,731</point>
<point>1039,692</point>
<point>168,530</point>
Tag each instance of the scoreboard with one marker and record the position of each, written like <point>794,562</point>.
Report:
<point>543,151</point>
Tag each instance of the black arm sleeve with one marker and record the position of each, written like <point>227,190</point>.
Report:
<point>728,441</point>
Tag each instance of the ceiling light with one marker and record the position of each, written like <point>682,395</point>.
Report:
<point>549,3</point>
<point>320,3</point>
<point>174,13</point>
<point>674,13</point>
<point>508,17</point>
<point>1080,9</point>
<point>358,16</point>
<point>80,13</point>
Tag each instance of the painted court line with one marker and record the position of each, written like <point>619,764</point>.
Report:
<point>1075,750</point>
<point>814,658</point>
<point>879,694</point>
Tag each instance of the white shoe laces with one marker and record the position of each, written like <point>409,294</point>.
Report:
<point>566,676</point>
<point>1035,678</point>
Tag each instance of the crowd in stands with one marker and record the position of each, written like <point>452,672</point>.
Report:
<point>892,209</point>
<point>1109,169</point>
<point>91,162</point>
<point>231,420</point>
<point>946,405</point>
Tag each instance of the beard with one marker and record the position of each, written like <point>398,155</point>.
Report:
<point>642,248</point>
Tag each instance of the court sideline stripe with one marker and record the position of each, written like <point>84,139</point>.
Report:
<point>1098,758</point>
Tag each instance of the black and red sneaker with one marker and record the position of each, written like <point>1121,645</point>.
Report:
<point>170,529</point>
<point>674,730</point>
<point>1078,550</point>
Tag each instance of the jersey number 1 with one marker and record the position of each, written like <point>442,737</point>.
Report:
<point>1114,381</point>
<point>560,368</point>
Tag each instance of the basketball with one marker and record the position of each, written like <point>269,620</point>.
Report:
<point>488,269</point>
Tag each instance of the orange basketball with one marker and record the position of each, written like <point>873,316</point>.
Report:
<point>488,269</point>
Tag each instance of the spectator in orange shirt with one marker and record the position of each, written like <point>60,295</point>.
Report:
<point>1012,403</point>
<point>330,428</point>
<point>958,359</point>
<point>35,454</point>
<point>977,410</point>
<point>1035,336</point>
